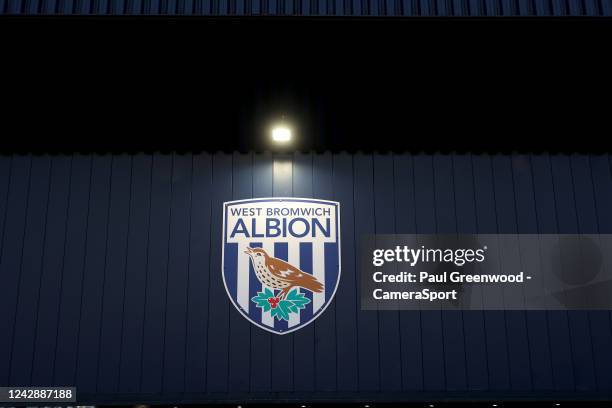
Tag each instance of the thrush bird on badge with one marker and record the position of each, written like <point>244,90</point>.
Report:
<point>278,274</point>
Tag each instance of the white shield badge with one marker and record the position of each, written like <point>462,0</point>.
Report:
<point>281,259</point>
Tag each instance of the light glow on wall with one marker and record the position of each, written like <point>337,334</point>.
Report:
<point>281,134</point>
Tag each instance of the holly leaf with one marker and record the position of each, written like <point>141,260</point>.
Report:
<point>293,302</point>
<point>281,312</point>
<point>298,300</point>
<point>261,300</point>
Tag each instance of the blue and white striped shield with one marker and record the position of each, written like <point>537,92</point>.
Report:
<point>281,259</point>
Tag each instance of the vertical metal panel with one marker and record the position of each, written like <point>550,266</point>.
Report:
<point>11,256</point>
<point>157,274</point>
<point>239,377</point>
<point>563,370</point>
<point>505,207</point>
<point>67,335</point>
<point>367,323</point>
<point>477,376</point>
<point>410,323</point>
<point>586,210</point>
<point>51,274</point>
<point>388,322</point>
<point>602,194</point>
<point>580,330</point>
<point>94,271</point>
<point>178,274</point>
<point>495,321</point>
<point>111,278</point>
<point>537,321</point>
<point>109,350</point>
<point>28,287</point>
<point>346,295</point>
<point>218,304</point>
<point>452,322</point>
<point>199,280</point>
<point>132,322</point>
<point>434,372</point>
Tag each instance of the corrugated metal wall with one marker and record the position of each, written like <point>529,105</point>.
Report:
<point>110,276</point>
<point>314,7</point>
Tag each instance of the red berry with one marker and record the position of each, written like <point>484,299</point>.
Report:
<point>273,301</point>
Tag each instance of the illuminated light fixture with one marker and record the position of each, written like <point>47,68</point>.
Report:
<point>281,134</point>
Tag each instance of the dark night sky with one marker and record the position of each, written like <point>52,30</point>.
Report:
<point>350,85</point>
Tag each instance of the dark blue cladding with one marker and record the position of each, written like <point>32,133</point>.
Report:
<point>111,279</point>
<point>313,7</point>
<point>231,252</point>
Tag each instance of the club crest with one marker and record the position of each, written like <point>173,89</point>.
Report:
<point>281,259</point>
